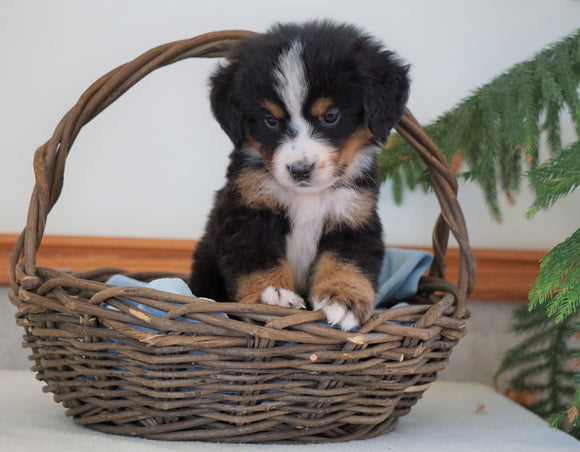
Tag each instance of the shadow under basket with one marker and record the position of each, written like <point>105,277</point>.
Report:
<point>224,371</point>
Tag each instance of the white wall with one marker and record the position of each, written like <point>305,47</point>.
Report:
<point>149,164</point>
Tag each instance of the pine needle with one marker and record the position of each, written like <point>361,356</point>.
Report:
<point>540,365</point>
<point>556,178</point>
<point>558,282</point>
<point>497,129</point>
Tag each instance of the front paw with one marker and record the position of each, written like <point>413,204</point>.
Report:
<point>342,291</point>
<point>347,314</point>
<point>281,297</point>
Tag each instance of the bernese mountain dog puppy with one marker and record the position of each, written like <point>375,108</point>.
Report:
<point>306,107</point>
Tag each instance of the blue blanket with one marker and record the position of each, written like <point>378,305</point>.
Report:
<point>398,280</point>
<point>400,274</point>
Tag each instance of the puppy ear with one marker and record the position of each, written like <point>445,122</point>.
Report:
<point>386,91</point>
<point>224,107</point>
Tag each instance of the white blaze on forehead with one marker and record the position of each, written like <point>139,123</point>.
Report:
<point>291,84</point>
<point>290,77</point>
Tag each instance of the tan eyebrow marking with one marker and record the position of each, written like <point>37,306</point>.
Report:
<point>274,109</point>
<point>320,106</point>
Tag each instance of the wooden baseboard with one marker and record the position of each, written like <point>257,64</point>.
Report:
<point>503,275</point>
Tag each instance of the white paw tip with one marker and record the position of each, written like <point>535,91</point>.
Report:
<point>318,304</point>
<point>290,299</point>
<point>336,314</point>
<point>348,321</point>
<point>281,297</point>
<point>270,296</point>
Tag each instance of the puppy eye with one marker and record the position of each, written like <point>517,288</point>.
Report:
<point>331,117</point>
<point>271,121</point>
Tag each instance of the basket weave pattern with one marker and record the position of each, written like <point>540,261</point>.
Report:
<point>258,374</point>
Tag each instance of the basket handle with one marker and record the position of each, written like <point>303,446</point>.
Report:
<point>50,158</point>
<point>445,186</point>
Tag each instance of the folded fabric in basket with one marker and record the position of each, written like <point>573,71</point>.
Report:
<point>170,285</point>
<point>400,274</point>
<point>399,279</point>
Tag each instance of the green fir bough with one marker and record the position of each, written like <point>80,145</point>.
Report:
<point>540,363</point>
<point>495,134</point>
<point>496,130</point>
<point>555,179</point>
<point>558,282</point>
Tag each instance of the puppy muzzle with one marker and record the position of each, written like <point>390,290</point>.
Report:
<point>302,170</point>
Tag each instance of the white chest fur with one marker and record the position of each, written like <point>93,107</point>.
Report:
<point>308,215</point>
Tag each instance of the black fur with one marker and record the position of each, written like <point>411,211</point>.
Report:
<point>369,86</point>
<point>341,61</point>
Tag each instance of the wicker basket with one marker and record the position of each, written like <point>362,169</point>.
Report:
<point>259,374</point>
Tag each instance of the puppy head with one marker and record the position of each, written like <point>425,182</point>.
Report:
<point>308,101</point>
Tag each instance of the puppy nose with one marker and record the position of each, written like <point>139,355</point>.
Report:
<point>301,171</point>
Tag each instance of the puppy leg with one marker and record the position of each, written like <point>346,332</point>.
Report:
<point>273,286</point>
<point>342,291</point>
<point>205,279</point>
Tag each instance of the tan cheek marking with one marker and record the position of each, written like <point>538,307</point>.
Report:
<point>251,286</point>
<point>357,213</point>
<point>258,147</point>
<point>251,186</point>
<point>355,216</point>
<point>320,106</point>
<point>353,146</point>
<point>343,283</point>
<point>255,144</point>
<point>274,109</point>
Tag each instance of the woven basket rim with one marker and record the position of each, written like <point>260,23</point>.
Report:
<point>46,296</point>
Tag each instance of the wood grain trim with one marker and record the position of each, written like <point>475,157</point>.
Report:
<point>503,275</point>
<point>85,253</point>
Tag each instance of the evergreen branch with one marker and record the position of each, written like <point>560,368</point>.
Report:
<point>569,414</point>
<point>526,322</point>
<point>536,327</point>
<point>556,178</point>
<point>540,363</point>
<point>558,281</point>
<point>496,130</point>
